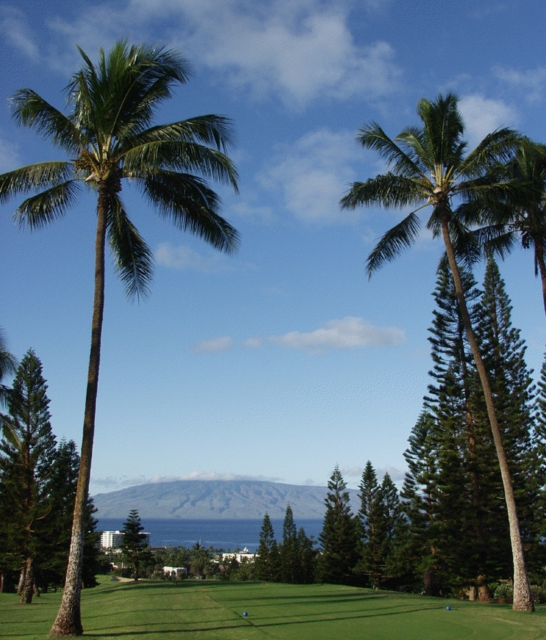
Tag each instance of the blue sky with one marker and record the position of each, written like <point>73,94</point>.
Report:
<point>283,360</point>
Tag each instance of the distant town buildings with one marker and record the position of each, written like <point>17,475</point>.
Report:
<point>114,539</point>
<point>244,554</point>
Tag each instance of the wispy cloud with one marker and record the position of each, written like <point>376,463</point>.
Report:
<point>532,82</point>
<point>296,50</point>
<point>348,333</point>
<point>15,30</point>
<point>483,115</point>
<point>112,483</point>
<point>395,474</point>
<point>253,343</point>
<point>184,257</point>
<point>9,156</point>
<point>313,174</point>
<point>215,345</point>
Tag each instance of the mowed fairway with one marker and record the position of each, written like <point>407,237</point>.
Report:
<point>214,610</point>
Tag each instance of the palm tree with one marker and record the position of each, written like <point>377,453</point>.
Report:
<point>429,167</point>
<point>523,217</point>
<point>109,138</point>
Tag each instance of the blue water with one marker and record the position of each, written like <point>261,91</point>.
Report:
<point>220,534</point>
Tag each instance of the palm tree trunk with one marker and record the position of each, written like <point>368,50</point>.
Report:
<point>27,590</point>
<point>68,621</point>
<point>539,261</point>
<point>522,594</point>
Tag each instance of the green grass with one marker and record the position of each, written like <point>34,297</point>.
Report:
<point>212,611</point>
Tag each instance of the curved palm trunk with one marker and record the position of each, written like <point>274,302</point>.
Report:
<point>68,621</point>
<point>522,594</point>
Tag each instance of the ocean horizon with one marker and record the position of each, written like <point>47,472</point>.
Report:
<point>219,534</point>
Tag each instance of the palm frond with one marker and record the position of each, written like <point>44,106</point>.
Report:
<point>182,157</point>
<point>133,258</point>
<point>210,130</point>
<point>191,205</point>
<point>373,137</point>
<point>118,96</point>
<point>31,110</point>
<point>497,240</point>
<point>400,237</point>
<point>387,190</point>
<point>466,244</point>
<point>34,177</point>
<point>495,149</point>
<point>443,129</point>
<point>48,205</point>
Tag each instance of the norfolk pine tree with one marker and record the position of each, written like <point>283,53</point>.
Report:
<point>339,536</point>
<point>26,455</point>
<point>134,546</point>
<point>267,565</point>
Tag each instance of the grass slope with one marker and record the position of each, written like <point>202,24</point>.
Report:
<point>213,610</point>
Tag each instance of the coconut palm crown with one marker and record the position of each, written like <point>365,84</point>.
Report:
<point>429,167</point>
<point>522,219</point>
<point>109,137</point>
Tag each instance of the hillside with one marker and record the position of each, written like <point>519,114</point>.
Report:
<point>215,499</point>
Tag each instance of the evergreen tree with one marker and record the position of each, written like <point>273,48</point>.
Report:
<point>307,554</point>
<point>339,536</point>
<point>372,520</point>
<point>514,393</point>
<point>267,564</point>
<point>289,552</point>
<point>27,453</point>
<point>63,477</point>
<point>135,547</point>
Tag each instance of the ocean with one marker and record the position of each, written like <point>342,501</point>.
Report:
<point>219,534</point>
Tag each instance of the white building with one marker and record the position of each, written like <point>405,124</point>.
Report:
<point>114,539</point>
<point>111,539</point>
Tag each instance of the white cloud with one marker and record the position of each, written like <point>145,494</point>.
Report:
<point>314,173</point>
<point>9,156</point>
<point>297,50</point>
<point>253,343</point>
<point>483,115</point>
<point>184,257</point>
<point>222,343</point>
<point>394,473</point>
<point>348,333</point>
<point>533,81</point>
<point>15,31</point>
<point>112,483</point>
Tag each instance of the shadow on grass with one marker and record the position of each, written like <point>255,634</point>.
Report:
<point>258,625</point>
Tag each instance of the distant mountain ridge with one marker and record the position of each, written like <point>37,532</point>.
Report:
<point>216,500</point>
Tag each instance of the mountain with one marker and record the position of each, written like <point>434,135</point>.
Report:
<point>215,499</point>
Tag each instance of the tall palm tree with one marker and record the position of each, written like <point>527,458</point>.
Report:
<point>429,168</point>
<point>108,137</point>
<point>523,217</point>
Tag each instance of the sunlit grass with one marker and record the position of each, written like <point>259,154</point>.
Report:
<point>213,610</point>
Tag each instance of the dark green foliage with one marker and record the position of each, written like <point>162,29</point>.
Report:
<point>381,526</point>
<point>27,454</point>
<point>297,553</point>
<point>267,565</point>
<point>453,494</point>
<point>135,548</point>
<point>339,536</point>
<point>504,356</point>
<point>290,561</point>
